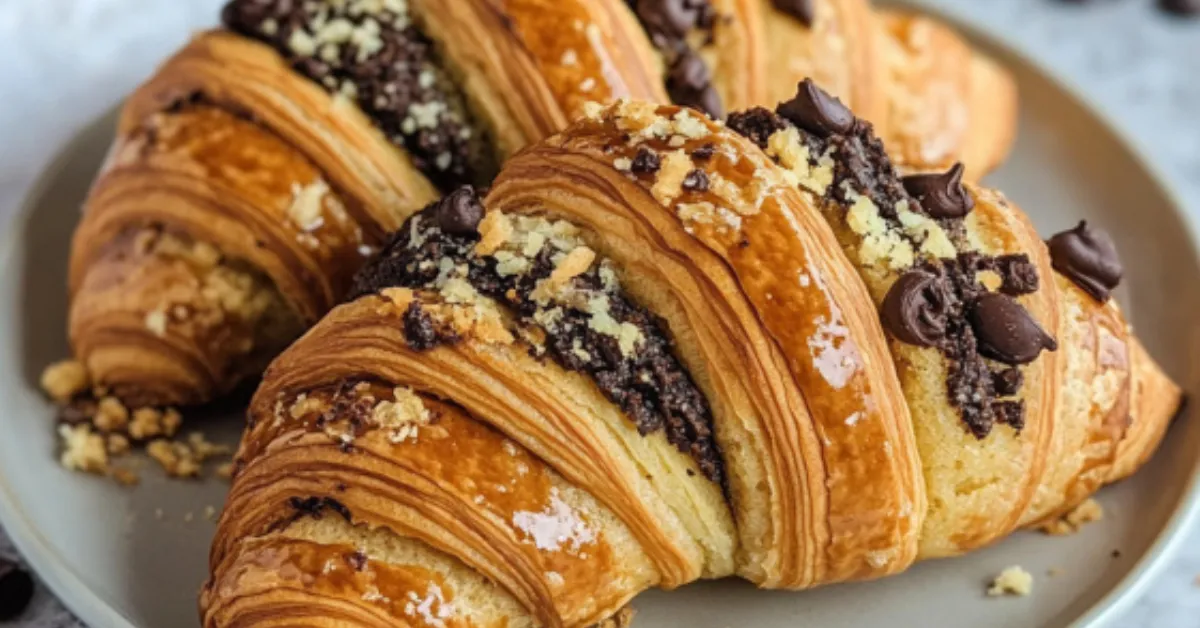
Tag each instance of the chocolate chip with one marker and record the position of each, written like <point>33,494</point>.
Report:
<point>916,307</point>
<point>1185,8</point>
<point>459,213</point>
<point>419,330</point>
<point>815,111</point>
<point>1087,256</point>
<point>1018,275</point>
<point>1011,413</point>
<point>1008,382</point>
<point>941,195</point>
<point>646,161</point>
<point>689,83</point>
<point>705,152</point>
<point>1006,331</point>
<point>800,9</point>
<point>696,181</point>
<point>16,590</point>
<point>670,19</point>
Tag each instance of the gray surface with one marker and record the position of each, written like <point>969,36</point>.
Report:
<point>78,57</point>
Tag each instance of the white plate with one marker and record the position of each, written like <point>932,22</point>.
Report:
<point>115,564</point>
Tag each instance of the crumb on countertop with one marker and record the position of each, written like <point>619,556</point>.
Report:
<point>1070,523</point>
<point>1013,581</point>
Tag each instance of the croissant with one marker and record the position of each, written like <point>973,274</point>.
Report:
<point>663,348</point>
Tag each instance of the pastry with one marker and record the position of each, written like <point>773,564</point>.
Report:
<point>261,165</point>
<point>661,349</point>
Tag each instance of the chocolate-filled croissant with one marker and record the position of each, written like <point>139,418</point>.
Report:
<point>262,165</point>
<point>663,349</point>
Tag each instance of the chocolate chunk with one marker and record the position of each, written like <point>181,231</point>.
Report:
<point>802,10</point>
<point>1186,8</point>
<point>696,181</point>
<point>1008,382</point>
<point>916,308</point>
<point>646,161</point>
<point>667,20</point>
<point>16,590</point>
<point>1006,331</point>
<point>1010,413</point>
<point>419,330</point>
<point>459,213</point>
<point>315,507</point>
<point>689,83</point>
<point>756,124</point>
<point>705,152</point>
<point>815,111</point>
<point>1087,256</point>
<point>1018,275</point>
<point>941,195</point>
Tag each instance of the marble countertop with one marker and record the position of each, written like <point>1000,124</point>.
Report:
<point>67,61</point>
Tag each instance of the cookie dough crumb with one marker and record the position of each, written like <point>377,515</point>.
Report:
<point>125,477</point>
<point>225,471</point>
<point>1013,581</point>
<point>111,415</point>
<point>83,449</point>
<point>63,380</point>
<point>210,513</point>
<point>1070,523</point>
<point>622,619</point>
<point>175,458</point>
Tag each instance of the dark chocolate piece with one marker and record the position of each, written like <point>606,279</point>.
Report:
<point>16,590</point>
<point>1006,331</point>
<point>802,10</point>
<point>646,161</point>
<point>756,124</point>
<point>315,507</point>
<point>815,111</point>
<point>669,20</point>
<point>695,181</point>
<point>942,196</point>
<point>1185,8</point>
<point>1087,256</point>
<point>419,330</point>
<point>1008,382</point>
<point>689,83</point>
<point>916,308</point>
<point>357,561</point>
<point>704,152</point>
<point>1010,413</point>
<point>459,212</point>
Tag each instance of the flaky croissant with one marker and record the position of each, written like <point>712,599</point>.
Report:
<point>663,349</point>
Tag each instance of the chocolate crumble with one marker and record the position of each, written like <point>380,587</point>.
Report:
<point>380,60</point>
<point>315,507</point>
<point>598,331</point>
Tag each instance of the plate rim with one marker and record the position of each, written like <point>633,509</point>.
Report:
<point>70,590</point>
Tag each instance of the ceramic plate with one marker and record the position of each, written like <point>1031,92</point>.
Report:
<point>121,558</point>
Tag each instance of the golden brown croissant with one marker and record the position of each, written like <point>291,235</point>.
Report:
<point>260,166</point>
<point>663,348</point>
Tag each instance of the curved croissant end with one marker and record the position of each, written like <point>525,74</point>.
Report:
<point>246,187</point>
<point>947,103</point>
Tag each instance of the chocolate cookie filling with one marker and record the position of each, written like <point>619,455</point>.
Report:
<point>673,26</point>
<point>372,53</point>
<point>1087,256</point>
<point>569,307</point>
<point>960,303</point>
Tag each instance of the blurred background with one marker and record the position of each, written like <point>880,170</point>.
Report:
<point>1137,61</point>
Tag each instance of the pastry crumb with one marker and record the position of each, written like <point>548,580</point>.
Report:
<point>83,449</point>
<point>225,471</point>
<point>622,619</point>
<point>210,513</point>
<point>1013,581</point>
<point>1070,523</point>
<point>1054,572</point>
<point>125,477</point>
<point>64,380</point>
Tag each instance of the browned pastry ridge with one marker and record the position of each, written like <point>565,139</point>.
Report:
<point>663,348</point>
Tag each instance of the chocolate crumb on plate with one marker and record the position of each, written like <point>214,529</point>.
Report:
<point>16,590</point>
